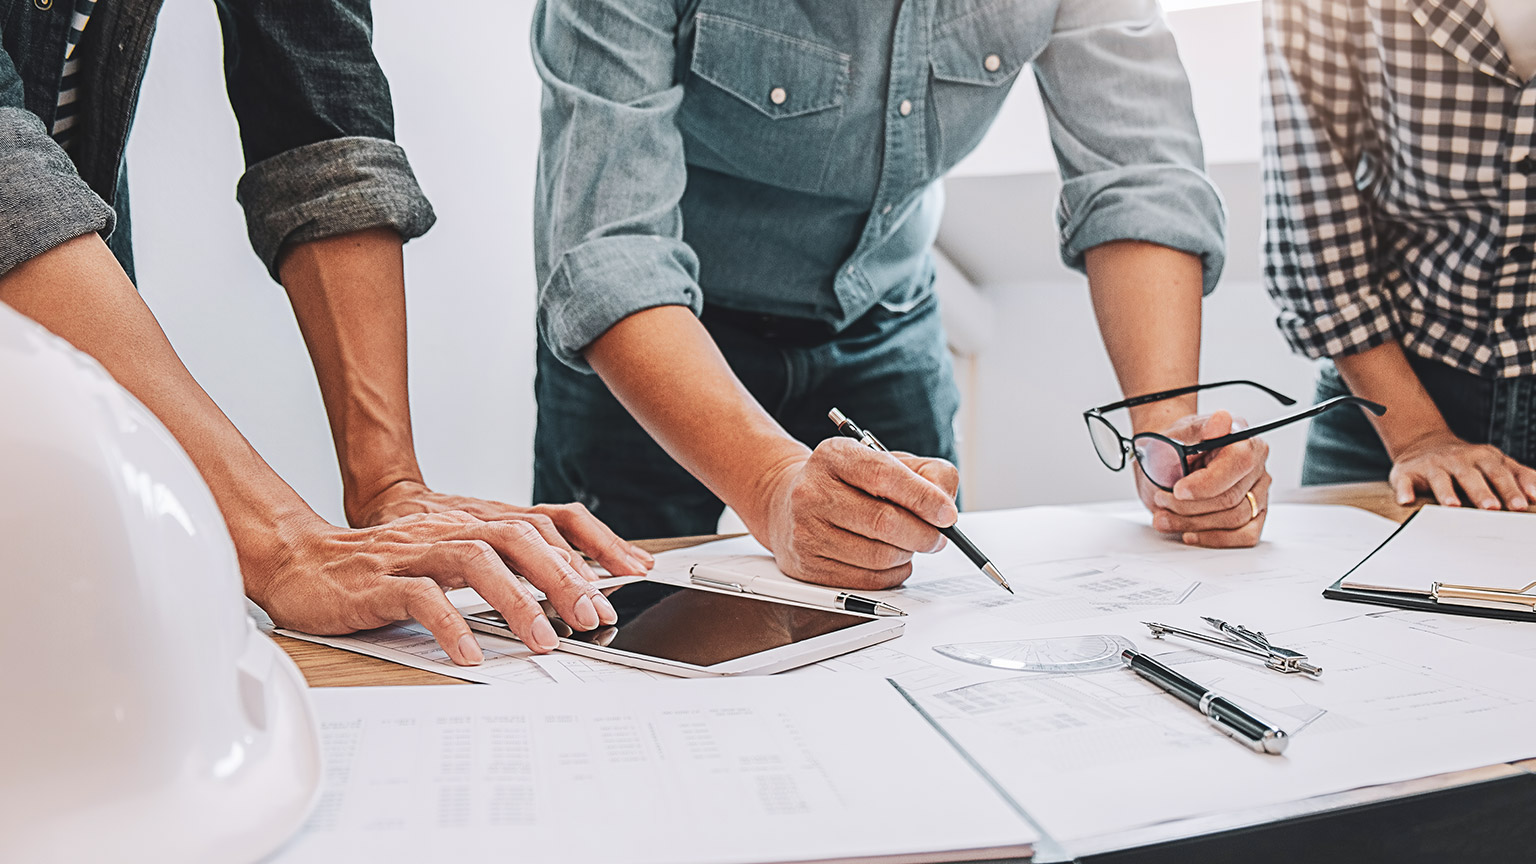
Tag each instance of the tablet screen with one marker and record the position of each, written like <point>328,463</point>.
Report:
<point>703,628</point>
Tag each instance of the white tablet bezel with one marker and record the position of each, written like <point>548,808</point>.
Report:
<point>872,631</point>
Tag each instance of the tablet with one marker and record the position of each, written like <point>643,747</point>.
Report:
<point>697,632</point>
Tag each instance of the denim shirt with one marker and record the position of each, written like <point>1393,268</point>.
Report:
<point>316,124</point>
<point>783,157</point>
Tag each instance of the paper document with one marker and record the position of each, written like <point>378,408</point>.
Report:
<point>746,771</point>
<point>507,661</point>
<point>1454,545</point>
<point>1393,703</point>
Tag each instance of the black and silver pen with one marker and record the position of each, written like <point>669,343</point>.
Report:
<point>1223,713</point>
<point>850,429</point>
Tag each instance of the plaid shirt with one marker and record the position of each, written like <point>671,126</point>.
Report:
<point>1398,165</point>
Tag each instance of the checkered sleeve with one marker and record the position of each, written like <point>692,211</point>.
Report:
<point>1319,247</point>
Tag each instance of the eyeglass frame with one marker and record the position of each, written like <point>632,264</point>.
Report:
<point>1185,451</point>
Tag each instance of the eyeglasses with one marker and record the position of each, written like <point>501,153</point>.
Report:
<point>1166,461</point>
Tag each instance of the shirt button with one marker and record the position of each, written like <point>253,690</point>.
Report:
<point>1521,254</point>
<point>885,210</point>
<point>992,63</point>
<point>777,95</point>
<point>905,107</point>
<point>1526,165</point>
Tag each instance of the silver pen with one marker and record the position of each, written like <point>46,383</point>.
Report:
<point>811,595</point>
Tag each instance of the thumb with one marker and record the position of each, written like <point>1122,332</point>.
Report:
<point>1216,425</point>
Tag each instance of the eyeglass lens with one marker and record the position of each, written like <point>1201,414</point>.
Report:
<point>1106,442</point>
<point>1159,460</point>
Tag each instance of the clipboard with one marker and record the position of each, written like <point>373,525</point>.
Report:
<point>1510,602</point>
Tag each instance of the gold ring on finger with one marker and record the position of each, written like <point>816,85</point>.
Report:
<point>1253,505</point>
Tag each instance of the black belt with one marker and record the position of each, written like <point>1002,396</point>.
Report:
<point>782,329</point>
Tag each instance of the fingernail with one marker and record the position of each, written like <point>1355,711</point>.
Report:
<point>637,567</point>
<point>1453,503</point>
<point>1182,493</point>
<point>1517,504</point>
<point>1190,538</point>
<point>637,552</point>
<point>1405,499</point>
<point>1160,522</point>
<point>469,651</point>
<point>544,635</point>
<point>586,615</point>
<point>1490,504</point>
<point>605,611</point>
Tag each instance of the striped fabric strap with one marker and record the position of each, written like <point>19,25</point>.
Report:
<point>64,117</point>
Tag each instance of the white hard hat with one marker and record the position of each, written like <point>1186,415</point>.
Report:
<point>144,717</point>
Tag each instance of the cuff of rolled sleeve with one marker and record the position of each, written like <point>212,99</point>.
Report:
<point>43,201</point>
<point>603,281</point>
<point>1349,328</point>
<point>1172,205</point>
<point>330,188</point>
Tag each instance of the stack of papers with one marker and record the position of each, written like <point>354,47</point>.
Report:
<point>749,771</point>
<point>1405,694</point>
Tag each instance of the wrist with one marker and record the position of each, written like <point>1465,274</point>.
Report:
<point>267,547</point>
<point>767,510</point>
<point>1162,415</point>
<point>361,492</point>
<point>1404,439</point>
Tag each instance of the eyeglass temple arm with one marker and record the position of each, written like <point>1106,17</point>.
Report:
<point>1224,440</point>
<point>1180,391</point>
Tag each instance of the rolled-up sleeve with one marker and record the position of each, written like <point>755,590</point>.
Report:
<point>1122,122</point>
<point>43,201</point>
<point>330,188</point>
<point>1319,244</point>
<point>316,123</point>
<point>607,225</point>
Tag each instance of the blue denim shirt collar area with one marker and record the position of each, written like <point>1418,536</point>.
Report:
<point>784,157</point>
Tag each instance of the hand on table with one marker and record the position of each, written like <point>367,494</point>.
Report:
<point>1210,507</point>
<point>1441,462</point>
<point>561,525</point>
<point>852,517</point>
<point>326,580</point>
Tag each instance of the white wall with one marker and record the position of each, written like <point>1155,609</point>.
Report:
<point>467,114</point>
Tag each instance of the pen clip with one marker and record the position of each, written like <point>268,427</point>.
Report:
<point>718,584</point>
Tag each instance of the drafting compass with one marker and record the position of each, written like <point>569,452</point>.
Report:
<point>1243,641</point>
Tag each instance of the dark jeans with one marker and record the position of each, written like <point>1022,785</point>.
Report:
<point>1343,447</point>
<point>889,371</point>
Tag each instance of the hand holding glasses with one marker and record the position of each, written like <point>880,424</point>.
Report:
<point>1165,461</point>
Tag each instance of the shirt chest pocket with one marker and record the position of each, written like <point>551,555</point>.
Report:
<point>762,105</point>
<point>978,48</point>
